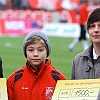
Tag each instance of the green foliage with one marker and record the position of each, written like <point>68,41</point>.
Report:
<point>13,58</point>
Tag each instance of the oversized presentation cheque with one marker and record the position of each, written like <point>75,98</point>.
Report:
<point>86,89</point>
<point>3,89</point>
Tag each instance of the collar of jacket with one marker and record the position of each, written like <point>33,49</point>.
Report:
<point>44,67</point>
<point>89,54</point>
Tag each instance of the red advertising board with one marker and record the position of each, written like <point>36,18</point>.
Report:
<point>20,27</point>
<point>20,22</point>
<point>41,16</point>
<point>23,21</point>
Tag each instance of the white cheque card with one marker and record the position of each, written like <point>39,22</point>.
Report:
<point>86,89</point>
<point>3,89</point>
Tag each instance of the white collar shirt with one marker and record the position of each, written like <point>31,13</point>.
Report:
<point>95,56</point>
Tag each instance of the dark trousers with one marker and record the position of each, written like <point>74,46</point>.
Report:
<point>82,33</point>
<point>1,70</point>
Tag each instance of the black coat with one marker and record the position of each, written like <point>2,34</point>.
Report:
<point>1,69</point>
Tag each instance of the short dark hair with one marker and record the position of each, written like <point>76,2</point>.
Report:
<point>93,17</point>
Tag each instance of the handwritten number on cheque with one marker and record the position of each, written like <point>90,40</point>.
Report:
<point>82,93</point>
<point>78,92</point>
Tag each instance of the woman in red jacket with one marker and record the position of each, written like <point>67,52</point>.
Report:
<point>37,79</point>
<point>83,13</point>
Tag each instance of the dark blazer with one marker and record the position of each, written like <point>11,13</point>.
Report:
<point>1,69</point>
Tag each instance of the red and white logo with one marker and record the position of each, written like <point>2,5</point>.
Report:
<point>49,93</point>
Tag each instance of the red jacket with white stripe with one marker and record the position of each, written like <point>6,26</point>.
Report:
<point>28,84</point>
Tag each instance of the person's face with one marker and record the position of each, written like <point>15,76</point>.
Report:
<point>94,32</point>
<point>36,54</point>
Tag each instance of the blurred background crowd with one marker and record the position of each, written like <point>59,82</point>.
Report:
<point>43,4</point>
<point>22,16</point>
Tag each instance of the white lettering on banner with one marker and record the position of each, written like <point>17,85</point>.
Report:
<point>14,25</point>
<point>66,15</point>
<point>41,16</point>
